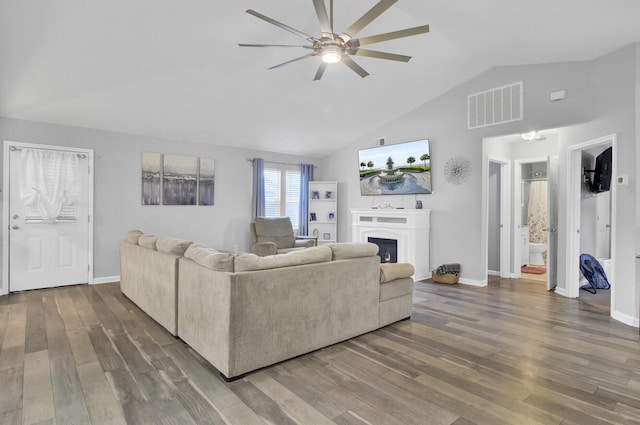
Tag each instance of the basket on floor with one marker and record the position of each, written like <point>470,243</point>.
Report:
<point>449,278</point>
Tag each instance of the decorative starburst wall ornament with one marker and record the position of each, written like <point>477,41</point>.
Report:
<point>457,170</point>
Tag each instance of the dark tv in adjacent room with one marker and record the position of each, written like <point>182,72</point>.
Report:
<point>400,169</point>
<point>602,174</point>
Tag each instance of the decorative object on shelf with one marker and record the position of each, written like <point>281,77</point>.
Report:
<point>327,236</point>
<point>332,216</point>
<point>457,170</point>
<point>418,204</point>
<point>315,195</point>
<point>327,194</point>
<point>315,233</point>
<point>313,216</point>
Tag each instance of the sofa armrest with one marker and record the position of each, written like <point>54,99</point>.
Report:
<point>305,241</point>
<point>264,248</point>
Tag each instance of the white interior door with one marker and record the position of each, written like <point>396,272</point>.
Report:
<point>48,217</point>
<point>552,221</point>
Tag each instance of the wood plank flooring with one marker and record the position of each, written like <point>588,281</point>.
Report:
<point>509,353</point>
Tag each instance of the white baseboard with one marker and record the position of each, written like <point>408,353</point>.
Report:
<point>472,282</point>
<point>561,291</point>
<point>493,273</point>
<point>105,279</point>
<point>626,319</point>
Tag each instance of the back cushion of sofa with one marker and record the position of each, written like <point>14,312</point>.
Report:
<point>132,236</point>
<point>346,250</point>
<point>170,245</point>
<point>251,262</point>
<point>277,230</point>
<point>210,258</point>
<point>148,241</point>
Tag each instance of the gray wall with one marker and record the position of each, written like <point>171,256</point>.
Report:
<point>117,188</point>
<point>601,100</point>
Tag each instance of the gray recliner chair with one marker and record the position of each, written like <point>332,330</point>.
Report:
<point>274,235</point>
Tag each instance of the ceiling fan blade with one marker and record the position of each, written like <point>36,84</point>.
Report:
<point>388,36</point>
<point>367,18</point>
<point>381,55</point>
<point>308,55</point>
<point>282,26</point>
<point>354,66</point>
<point>320,71</point>
<point>304,46</point>
<point>331,14</point>
<point>323,18</point>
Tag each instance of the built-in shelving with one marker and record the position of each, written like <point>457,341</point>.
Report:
<point>323,210</point>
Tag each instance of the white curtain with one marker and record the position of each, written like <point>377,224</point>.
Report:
<point>49,181</point>
<point>537,212</point>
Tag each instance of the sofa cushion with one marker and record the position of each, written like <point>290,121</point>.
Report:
<point>249,262</point>
<point>346,250</point>
<point>393,271</point>
<point>132,236</point>
<point>170,245</point>
<point>148,241</point>
<point>275,229</point>
<point>396,288</point>
<point>210,258</point>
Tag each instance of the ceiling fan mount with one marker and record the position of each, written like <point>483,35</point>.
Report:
<point>333,48</point>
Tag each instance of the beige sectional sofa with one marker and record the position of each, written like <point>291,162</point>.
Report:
<point>242,312</point>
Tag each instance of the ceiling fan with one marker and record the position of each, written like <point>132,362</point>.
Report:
<point>333,48</point>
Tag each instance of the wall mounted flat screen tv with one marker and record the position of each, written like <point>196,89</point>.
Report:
<point>602,175</point>
<point>400,169</point>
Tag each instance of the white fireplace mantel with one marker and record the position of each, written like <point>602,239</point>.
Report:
<point>409,227</point>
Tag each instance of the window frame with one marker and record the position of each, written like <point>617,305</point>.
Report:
<point>283,169</point>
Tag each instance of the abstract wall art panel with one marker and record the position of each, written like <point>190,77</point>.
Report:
<point>180,180</point>
<point>151,178</point>
<point>206,181</point>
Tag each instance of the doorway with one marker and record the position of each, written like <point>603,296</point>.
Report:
<point>536,218</point>
<point>499,216</point>
<point>591,219</point>
<point>47,207</point>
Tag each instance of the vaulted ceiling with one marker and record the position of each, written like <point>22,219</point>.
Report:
<point>173,69</point>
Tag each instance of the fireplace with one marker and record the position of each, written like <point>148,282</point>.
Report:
<point>387,249</point>
<point>407,228</point>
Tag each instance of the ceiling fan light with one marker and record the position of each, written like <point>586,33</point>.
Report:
<point>528,136</point>
<point>331,57</point>
<point>331,53</point>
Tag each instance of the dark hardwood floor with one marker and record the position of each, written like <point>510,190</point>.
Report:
<point>509,353</point>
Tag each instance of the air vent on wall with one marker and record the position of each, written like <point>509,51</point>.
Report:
<point>499,105</point>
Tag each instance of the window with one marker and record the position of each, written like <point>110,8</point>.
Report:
<point>282,191</point>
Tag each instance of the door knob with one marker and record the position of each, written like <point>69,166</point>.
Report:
<point>15,227</point>
<point>15,216</point>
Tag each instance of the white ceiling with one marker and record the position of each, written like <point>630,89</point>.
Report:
<point>172,69</point>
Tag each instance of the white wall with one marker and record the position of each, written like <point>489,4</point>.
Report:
<point>601,100</point>
<point>613,78</point>
<point>117,188</point>
<point>456,222</point>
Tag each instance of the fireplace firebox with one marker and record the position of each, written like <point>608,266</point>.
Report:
<point>387,249</point>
